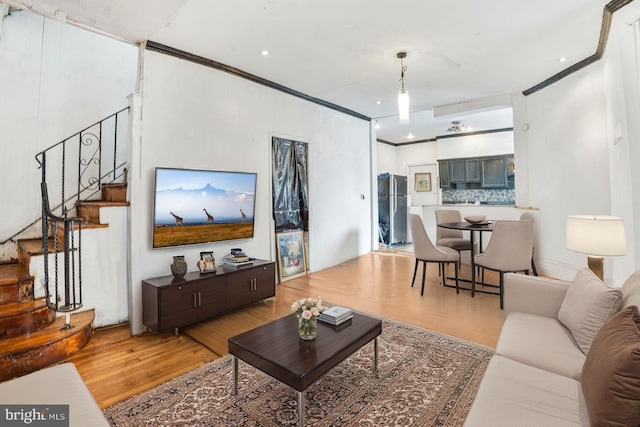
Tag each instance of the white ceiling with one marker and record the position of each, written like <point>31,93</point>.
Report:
<point>344,51</point>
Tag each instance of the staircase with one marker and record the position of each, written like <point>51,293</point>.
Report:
<point>38,332</point>
<point>31,335</point>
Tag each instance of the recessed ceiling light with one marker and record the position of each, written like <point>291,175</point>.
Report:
<point>378,102</point>
<point>562,59</point>
<point>264,52</point>
<point>410,136</point>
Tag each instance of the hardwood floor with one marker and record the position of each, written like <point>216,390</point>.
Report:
<point>115,366</point>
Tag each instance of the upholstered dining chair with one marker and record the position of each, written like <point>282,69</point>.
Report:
<point>528,216</point>
<point>509,251</point>
<point>453,239</point>
<point>425,251</point>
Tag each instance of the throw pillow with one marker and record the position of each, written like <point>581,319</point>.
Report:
<point>611,372</point>
<point>631,290</point>
<point>587,305</point>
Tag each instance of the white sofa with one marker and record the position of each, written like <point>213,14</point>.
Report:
<point>535,377</point>
<point>55,385</point>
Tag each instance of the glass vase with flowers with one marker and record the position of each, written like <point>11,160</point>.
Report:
<point>307,310</point>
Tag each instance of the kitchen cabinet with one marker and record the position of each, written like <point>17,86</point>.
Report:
<point>472,170</point>
<point>457,168</point>
<point>445,177</point>
<point>494,172</point>
<point>169,303</point>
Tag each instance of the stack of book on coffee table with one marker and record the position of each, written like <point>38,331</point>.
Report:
<point>336,315</point>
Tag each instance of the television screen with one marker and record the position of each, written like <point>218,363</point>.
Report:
<point>200,206</point>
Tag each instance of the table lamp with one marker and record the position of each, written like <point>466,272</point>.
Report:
<point>596,236</point>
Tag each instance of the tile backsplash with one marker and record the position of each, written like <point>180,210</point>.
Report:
<point>490,197</point>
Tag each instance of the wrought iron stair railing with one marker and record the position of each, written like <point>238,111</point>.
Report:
<point>79,165</point>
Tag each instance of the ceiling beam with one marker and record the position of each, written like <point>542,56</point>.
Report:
<point>167,50</point>
<point>607,16</point>
<point>477,105</point>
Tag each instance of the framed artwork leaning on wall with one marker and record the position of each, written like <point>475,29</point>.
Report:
<point>292,261</point>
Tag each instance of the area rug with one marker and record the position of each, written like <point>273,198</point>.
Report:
<point>424,379</point>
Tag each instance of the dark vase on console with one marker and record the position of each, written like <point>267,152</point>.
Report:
<point>179,266</point>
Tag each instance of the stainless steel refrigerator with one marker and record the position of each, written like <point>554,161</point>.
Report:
<point>392,208</point>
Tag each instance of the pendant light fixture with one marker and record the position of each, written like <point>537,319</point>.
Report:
<point>403,94</point>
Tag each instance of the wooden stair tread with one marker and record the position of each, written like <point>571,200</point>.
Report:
<point>34,246</point>
<point>13,309</point>
<point>85,225</point>
<point>48,335</point>
<point>10,274</point>
<point>102,203</point>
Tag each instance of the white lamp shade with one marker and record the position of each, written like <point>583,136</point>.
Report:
<point>600,235</point>
<point>403,106</point>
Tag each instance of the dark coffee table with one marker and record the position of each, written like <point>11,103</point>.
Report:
<point>277,350</point>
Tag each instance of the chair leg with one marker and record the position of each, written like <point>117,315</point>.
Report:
<point>442,268</point>
<point>424,272</point>
<point>473,282</point>
<point>501,290</point>
<point>533,267</point>
<point>415,269</point>
<point>457,266</point>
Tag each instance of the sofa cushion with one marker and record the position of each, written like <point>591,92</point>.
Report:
<point>56,385</point>
<point>611,373</point>
<point>588,304</point>
<point>631,290</point>
<point>540,342</point>
<point>514,394</point>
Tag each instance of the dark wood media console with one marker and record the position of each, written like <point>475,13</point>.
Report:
<point>170,303</point>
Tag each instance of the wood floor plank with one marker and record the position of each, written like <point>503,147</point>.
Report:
<point>116,366</point>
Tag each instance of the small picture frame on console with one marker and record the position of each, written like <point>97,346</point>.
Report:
<point>292,261</point>
<point>207,263</point>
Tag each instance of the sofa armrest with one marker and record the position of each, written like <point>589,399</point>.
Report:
<point>534,295</point>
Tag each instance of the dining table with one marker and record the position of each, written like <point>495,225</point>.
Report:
<point>473,228</point>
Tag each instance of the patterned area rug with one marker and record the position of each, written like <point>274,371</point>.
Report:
<point>424,379</point>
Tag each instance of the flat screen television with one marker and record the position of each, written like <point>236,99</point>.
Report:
<point>200,206</point>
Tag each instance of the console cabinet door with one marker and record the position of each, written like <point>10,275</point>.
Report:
<point>264,282</point>
<point>239,288</point>
<point>177,306</point>
<point>251,285</point>
<point>212,297</point>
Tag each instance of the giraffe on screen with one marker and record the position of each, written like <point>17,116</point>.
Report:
<point>244,217</point>
<point>178,219</point>
<point>209,217</point>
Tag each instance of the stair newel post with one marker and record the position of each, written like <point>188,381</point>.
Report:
<point>67,264</point>
<point>99,182</point>
<point>115,147</point>
<point>45,224</point>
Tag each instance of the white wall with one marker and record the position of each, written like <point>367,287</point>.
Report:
<point>197,117</point>
<point>621,72</point>
<point>386,159</point>
<point>56,80</point>
<point>573,165</point>
<point>485,144</point>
